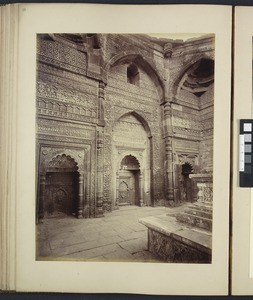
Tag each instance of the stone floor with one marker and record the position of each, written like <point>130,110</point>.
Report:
<point>116,237</point>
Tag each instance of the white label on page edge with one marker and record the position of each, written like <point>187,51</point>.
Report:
<point>241,153</point>
<point>247,127</point>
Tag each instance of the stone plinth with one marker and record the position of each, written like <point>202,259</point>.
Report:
<point>185,236</point>
<point>204,187</point>
<point>200,213</point>
<point>176,243</point>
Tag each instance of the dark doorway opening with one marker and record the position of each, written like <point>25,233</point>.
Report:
<point>128,188</point>
<point>61,194</point>
<point>187,169</point>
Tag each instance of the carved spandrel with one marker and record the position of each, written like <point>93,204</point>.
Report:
<point>49,154</point>
<point>187,158</point>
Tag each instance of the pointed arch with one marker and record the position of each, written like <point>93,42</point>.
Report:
<point>146,64</point>
<point>139,118</point>
<point>188,66</point>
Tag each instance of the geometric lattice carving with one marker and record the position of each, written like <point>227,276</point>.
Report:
<point>63,161</point>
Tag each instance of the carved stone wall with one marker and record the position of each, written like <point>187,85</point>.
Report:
<point>88,108</point>
<point>134,143</point>
<point>174,250</point>
<point>61,55</point>
<point>207,122</point>
<point>143,100</point>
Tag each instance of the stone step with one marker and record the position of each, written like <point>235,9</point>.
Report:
<point>196,221</point>
<point>200,213</point>
<point>207,203</point>
<point>201,207</point>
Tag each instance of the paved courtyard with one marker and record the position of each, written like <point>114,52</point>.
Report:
<point>116,237</point>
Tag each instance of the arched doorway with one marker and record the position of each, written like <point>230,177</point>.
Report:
<point>128,183</point>
<point>131,161</point>
<point>61,187</point>
<point>187,184</point>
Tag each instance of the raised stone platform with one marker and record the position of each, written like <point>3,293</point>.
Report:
<point>177,243</point>
<point>185,236</point>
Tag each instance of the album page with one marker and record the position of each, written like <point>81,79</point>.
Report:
<point>123,149</point>
<point>242,217</point>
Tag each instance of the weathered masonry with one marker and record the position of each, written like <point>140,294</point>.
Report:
<point>121,119</point>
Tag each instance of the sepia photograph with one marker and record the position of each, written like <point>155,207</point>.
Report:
<point>124,147</point>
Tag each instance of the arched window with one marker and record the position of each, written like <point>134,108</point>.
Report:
<point>133,75</point>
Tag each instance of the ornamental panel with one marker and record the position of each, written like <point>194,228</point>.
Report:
<point>62,56</point>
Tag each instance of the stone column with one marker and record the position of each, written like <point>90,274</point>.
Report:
<point>80,196</point>
<point>168,135</point>
<point>117,191</point>
<point>141,187</point>
<point>42,179</point>
<point>100,174</point>
<point>101,97</point>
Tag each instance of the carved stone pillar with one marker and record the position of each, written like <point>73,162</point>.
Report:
<point>42,180</point>
<point>169,165</point>
<point>100,175</point>
<point>101,97</point>
<point>117,191</point>
<point>141,188</point>
<point>80,196</point>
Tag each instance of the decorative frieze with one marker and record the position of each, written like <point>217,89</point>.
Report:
<point>62,56</point>
<point>52,74</point>
<point>65,95</point>
<point>59,129</point>
<point>61,139</point>
<point>57,109</point>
